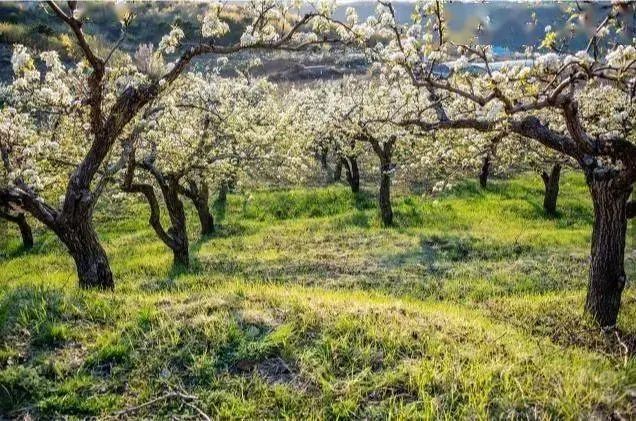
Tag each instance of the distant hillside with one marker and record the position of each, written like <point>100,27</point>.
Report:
<point>509,26</point>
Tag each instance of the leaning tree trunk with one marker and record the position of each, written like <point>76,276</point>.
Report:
<point>25,232</point>
<point>178,231</point>
<point>25,229</point>
<point>485,171</point>
<point>551,182</point>
<point>386,211</point>
<point>91,261</point>
<point>353,173</point>
<point>607,276</point>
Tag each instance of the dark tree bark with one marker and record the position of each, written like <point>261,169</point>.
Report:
<point>176,237</point>
<point>205,218</point>
<point>551,182</point>
<point>178,230</point>
<point>386,211</point>
<point>90,258</point>
<point>607,277</point>
<point>485,171</point>
<point>73,222</point>
<point>352,173</point>
<point>337,170</point>
<point>384,151</point>
<point>22,223</point>
<point>200,196</point>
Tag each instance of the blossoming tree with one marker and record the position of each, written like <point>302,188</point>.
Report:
<point>553,100</point>
<point>106,98</point>
<point>196,134</point>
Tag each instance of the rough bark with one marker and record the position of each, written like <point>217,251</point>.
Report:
<point>485,171</point>
<point>352,173</point>
<point>551,194</point>
<point>91,261</point>
<point>607,276</point>
<point>178,230</point>
<point>23,225</point>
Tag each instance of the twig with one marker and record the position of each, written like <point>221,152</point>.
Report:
<point>158,399</point>
<point>199,410</point>
<point>625,348</point>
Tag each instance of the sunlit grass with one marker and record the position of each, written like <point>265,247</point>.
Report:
<point>303,306</point>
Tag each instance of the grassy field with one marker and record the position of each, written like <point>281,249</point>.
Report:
<point>302,306</point>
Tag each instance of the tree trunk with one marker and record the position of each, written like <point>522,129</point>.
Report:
<point>205,217</point>
<point>200,196</point>
<point>337,170</point>
<point>178,231</point>
<point>485,171</point>
<point>221,199</point>
<point>90,258</point>
<point>551,195</point>
<point>22,223</point>
<point>352,173</point>
<point>607,276</point>
<point>386,212</point>
<point>25,231</point>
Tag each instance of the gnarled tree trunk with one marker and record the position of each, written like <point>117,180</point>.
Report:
<point>93,269</point>
<point>607,276</point>
<point>178,230</point>
<point>551,182</point>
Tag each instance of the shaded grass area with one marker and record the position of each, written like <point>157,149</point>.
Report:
<point>303,306</point>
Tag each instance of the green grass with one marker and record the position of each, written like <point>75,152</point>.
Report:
<point>302,306</point>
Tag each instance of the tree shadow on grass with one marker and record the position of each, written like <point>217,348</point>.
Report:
<point>436,249</point>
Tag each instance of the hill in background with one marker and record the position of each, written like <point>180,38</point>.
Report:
<point>508,26</point>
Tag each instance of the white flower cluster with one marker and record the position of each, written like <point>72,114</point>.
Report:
<point>170,42</point>
<point>213,26</point>
<point>548,62</point>
<point>21,59</point>
<point>267,34</point>
<point>622,56</point>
